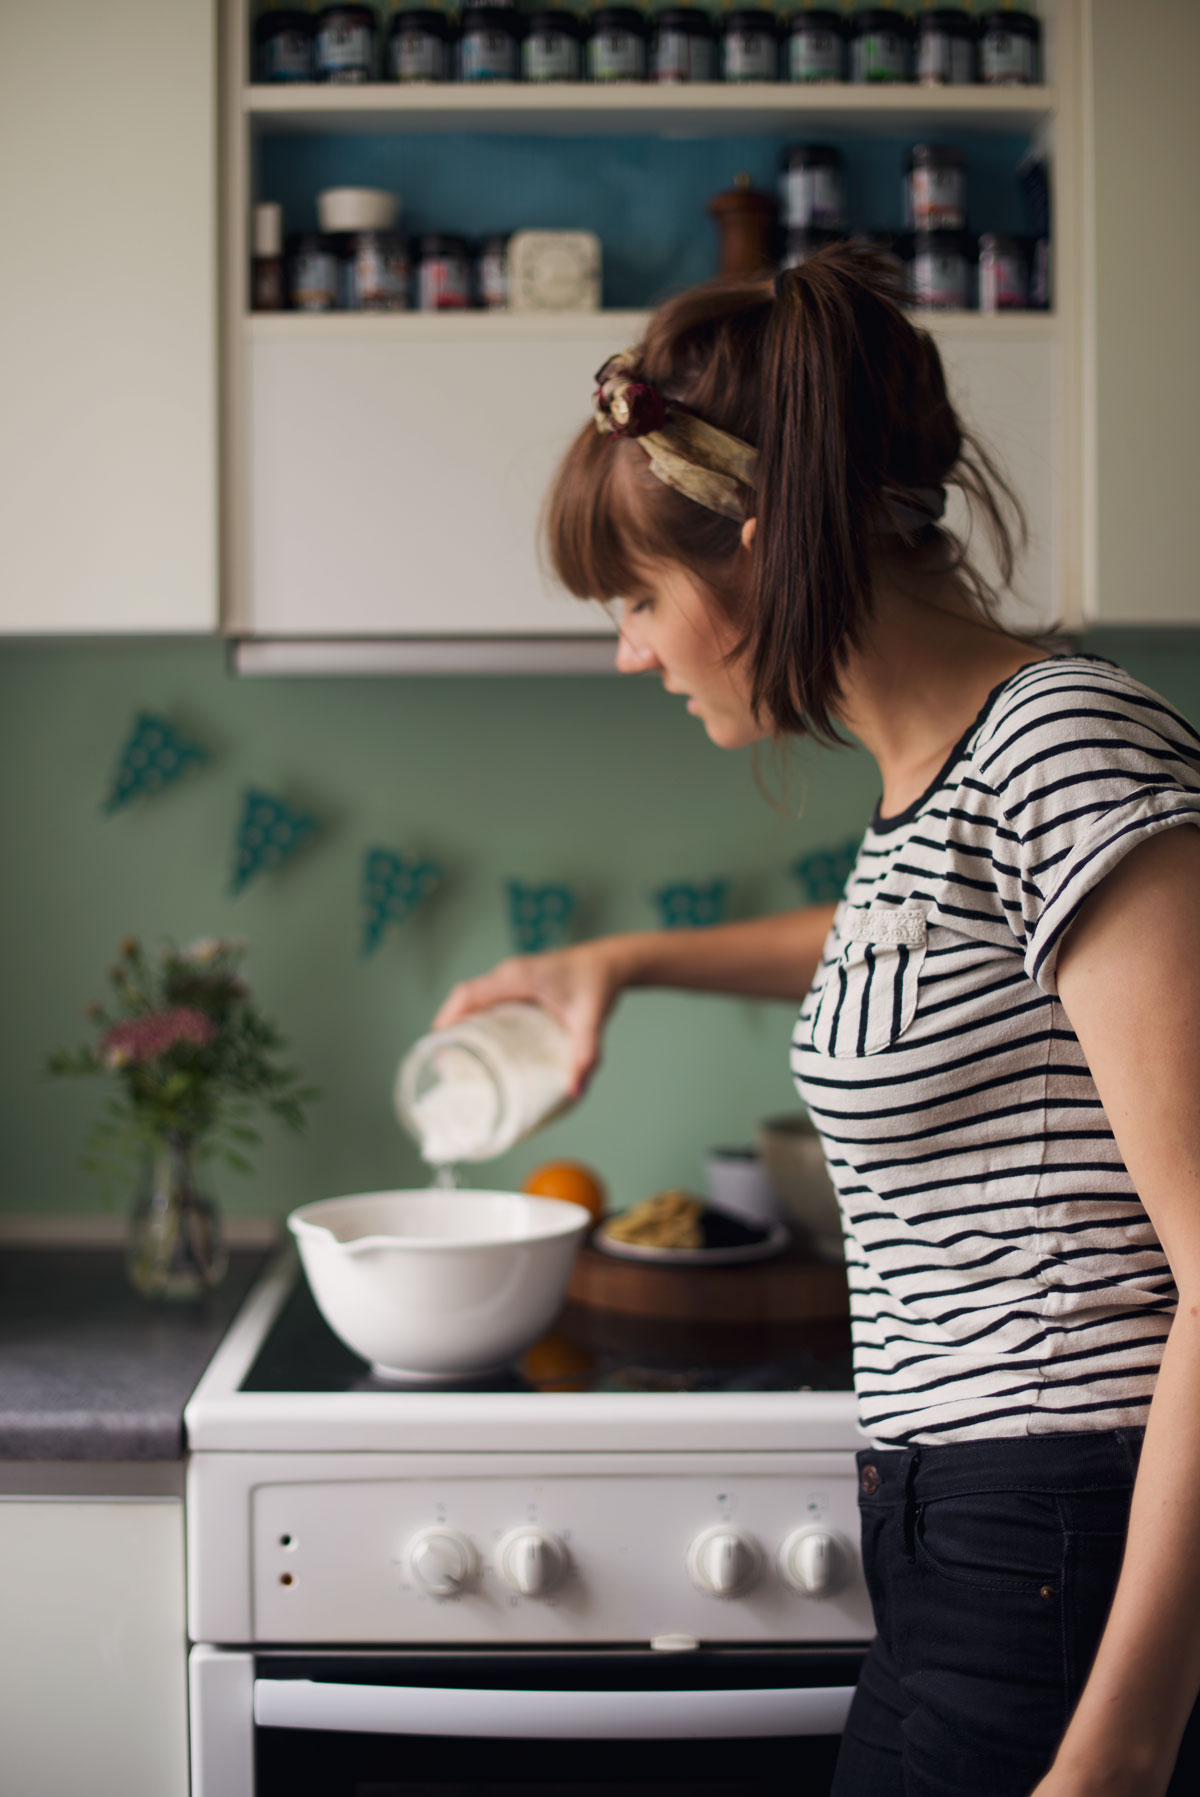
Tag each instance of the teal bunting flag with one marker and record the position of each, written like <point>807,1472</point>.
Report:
<point>539,916</point>
<point>270,833</point>
<point>686,905</point>
<point>392,888</point>
<point>153,757</point>
<point>823,872</point>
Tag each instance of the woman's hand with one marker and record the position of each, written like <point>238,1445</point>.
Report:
<point>578,985</point>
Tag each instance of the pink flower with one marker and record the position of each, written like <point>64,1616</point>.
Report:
<point>150,1037</point>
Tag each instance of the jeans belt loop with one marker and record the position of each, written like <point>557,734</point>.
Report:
<point>908,1514</point>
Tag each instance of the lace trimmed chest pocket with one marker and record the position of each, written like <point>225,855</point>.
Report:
<point>870,993</point>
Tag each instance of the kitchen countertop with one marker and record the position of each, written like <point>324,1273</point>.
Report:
<point>89,1370</point>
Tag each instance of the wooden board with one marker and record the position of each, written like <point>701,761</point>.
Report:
<point>793,1288</point>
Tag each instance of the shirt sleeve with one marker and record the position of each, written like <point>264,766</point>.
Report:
<point>1082,769</point>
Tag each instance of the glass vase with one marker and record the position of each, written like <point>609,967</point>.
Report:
<point>176,1246</point>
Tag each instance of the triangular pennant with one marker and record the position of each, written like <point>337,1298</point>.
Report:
<point>540,916</point>
<point>154,756</point>
<point>823,872</point>
<point>687,906</point>
<point>270,832</point>
<point>392,888</point>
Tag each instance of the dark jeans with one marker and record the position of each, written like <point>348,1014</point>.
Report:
<point>991,1567</point>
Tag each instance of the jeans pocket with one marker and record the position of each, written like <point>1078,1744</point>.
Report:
<point>993,1541</point>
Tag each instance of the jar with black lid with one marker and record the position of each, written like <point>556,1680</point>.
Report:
<point>1010,49</point>
<point>880,45</point>
<point>443,281</point>
<point>935,188</point>
<point>681,46</point>
<point>816,45</point>
<point>750,47</point>
<point>616,49</point>
<point>942,268</point>
<point>491,274</point>
<point>1003,274</point>
<point>812,188</point>
<point>373,271</point>
<point>283,45</point>
<point>553,46</point>
<point>347,44</point>
<point>945,47</point>
<point>490,45</point>
<point>420,46</point>
<point>804,241</point>
<point>312,272</point>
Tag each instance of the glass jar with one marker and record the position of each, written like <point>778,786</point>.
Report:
<point>346,44</point>
<point>805,241</point>
<point>283,45</point>
<point>936,188</point>
<point>1010,46</point>
<point>553,47</point>
<point>443,274</point>
<point>490,46</point>
<point>471,1092</point>
<point>268,288</point>
<point>750,47</point>
<point>942,262</point>
<point>616,49</point>
<point>880,45</point>
<point>419,47</point>
<point>681,46</point>
<point>812,188</point>
<point>373,271</point>
<point>176,1249</point>
<point>491,274</point>
<point>816,46</point>
<point>945,47</point>
<point>312,272</point>
<point>1003,274</point>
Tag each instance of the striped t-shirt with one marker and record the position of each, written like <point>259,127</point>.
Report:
<point>1004,1276</point>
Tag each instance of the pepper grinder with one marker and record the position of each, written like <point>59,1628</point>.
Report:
<point>745,220</point>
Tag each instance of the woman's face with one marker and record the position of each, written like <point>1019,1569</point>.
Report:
<point>671,627</point>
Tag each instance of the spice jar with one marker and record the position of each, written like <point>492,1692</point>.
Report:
<point>419,46</point>
<point>941,269</point>
<point>1003,274</point>
<point>443,274</point>
<point>880,45</point>
<point>805,241</point>
<point>812,187</point>
<point>267,287</point>
<point>681,46</point>
<point>750,47</point>
<point>616,49</point>
<point>1009,49</point>
<point>553,47</point>
<point>471,1092</point>
<point>745,221</point>
<point>373,271</point>
<point>490,46</point>
<point>312,272</point>
<point>945,47</point>
<point>936,188</point>
<point>346,44</point>
<point>816,46</point>
<point>283,45</point>
<point>491,274</point>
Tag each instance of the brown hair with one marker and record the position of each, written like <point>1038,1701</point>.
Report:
<point>845,400</point>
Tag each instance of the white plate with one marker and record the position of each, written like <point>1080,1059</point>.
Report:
<point>774,1244</point>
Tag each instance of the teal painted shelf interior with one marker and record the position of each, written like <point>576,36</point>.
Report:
<point>643,196</point>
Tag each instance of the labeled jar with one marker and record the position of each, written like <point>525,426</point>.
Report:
<point>312,272</point>
<point>490,46</point>
<point>491,274</point>
<point>347,39</point>
<point>268,286</point>
<point>816,46</point>
<point>616,48</point>
<point>880,45</point>
<point>945,47</point>
<point>1010,46</point>
<point>936,188</point>
<point>750,47</point>
<point>812,188</point>
<point>373,271</point>
<point>443,277</point>
<point>681,46</point>
<point>471,1092</point>
<point>419,47</point>
<point>805,241</point>
<point>553,47</point>
<point>942,263</point>
<point>284,45</point>
<point>1003,274</point>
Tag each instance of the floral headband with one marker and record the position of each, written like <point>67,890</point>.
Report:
<point>707,464</point>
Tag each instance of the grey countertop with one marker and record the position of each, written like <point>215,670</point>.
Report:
<point>91,1371</point>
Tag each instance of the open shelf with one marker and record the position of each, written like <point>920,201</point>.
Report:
<point>541,327</point>
<point>585,109</point>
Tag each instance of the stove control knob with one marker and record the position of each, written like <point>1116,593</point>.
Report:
<point>441,1561</point>
<point>722,1563</point>
<point>531,1561</point>
<point>812,1562</point>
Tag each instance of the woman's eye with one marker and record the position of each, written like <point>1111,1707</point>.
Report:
<point>636,606</point>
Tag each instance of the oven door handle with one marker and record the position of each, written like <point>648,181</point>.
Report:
<point>549,1715</point>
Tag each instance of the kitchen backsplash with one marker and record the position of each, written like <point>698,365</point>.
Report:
<point>604,785</point>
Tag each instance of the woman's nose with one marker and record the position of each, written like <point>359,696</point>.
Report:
<point>633,658</point>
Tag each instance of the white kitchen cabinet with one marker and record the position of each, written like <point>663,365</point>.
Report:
<point>93,1651</point>
<point>108,336</point>
<point>1141,396</point>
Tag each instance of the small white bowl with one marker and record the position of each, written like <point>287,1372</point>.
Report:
<point>438,1285</point>
<point>357,209</point>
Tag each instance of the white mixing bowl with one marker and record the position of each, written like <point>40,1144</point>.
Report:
<point>438,1285</point>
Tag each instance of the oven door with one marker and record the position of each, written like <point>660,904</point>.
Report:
<point>715,1722</point>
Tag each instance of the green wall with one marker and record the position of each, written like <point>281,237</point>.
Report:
<point>605,783</point>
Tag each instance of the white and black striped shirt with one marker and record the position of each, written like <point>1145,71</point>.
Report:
<point>1004,1276</point>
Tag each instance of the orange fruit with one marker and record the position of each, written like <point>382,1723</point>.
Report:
<point>556,1361</point>
<point>572,1181</point>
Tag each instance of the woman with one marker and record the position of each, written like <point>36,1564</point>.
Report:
<point>999,1032</point>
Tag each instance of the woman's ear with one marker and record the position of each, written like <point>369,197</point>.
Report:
<point>748,532</point>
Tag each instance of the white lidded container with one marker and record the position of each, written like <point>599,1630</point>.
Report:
<point>357,209</point>
<point>470,1092</point>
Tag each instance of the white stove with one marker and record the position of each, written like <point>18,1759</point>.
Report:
<point>638,1534</point>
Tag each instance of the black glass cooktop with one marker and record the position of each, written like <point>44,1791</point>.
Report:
<point>586,1350</point>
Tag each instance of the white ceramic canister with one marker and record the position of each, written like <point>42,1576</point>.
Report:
<point>470,1092</point>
